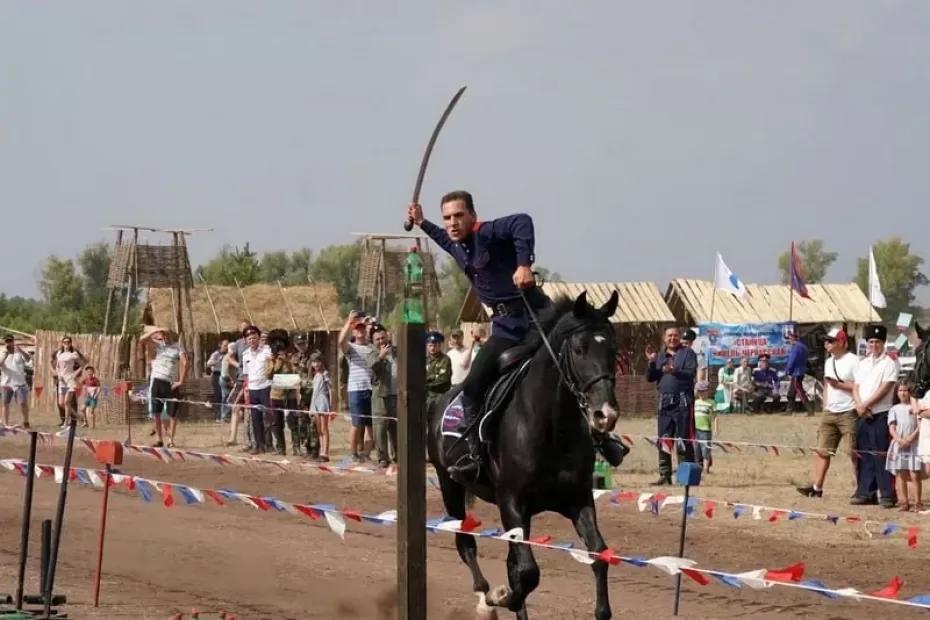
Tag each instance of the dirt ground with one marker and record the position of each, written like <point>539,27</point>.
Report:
<point>162,561</point>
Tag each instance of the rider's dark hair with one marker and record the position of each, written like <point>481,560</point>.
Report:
<point>462,195</point>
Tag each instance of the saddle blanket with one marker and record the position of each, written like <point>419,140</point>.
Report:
<point>452,417</point>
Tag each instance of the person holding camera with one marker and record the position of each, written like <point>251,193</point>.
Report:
<point>358,384</point>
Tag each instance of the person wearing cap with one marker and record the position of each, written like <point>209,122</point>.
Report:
<point>765,386</point>
<point>688,338</point>
<point>13,385</point>
<point>168,370</point>
<point>796,368</point>
<point>705,424</point>
<point>255,365</point>
<point>497,257</point>
<point>358,385</point>
<point>438,369</point>
<point>839,417</point>
<point>460,355</point>
<point>673,370</point>
<point>873,392</point>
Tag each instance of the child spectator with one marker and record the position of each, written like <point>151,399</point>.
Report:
<point>902,459</point>
<point>320,403</point>
<point>91,393</point>
<point>705,423</point>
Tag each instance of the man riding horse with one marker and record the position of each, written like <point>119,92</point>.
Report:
<point>497,257</point>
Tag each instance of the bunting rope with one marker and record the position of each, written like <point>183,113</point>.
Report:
<point>336,520</point>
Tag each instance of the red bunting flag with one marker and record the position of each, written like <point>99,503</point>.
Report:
<point>72,475</point>
<point>891,590</point>
<point>627,496</point>
<point>542,540</point>
<point>307,511</point>
<point>38,390</point>
<point>790,573</point>
<point>130,483</point>
<point>695,576</point>
<point>118,389</point>
<point>470,523</point>
<point>352,514</point>
<point>213,495</point>
<point>709,508</point>
<point>260,503</point>
<point>912,537</point>
<point>167,497</point>
<point>608,555</point>
<point>776,515</point>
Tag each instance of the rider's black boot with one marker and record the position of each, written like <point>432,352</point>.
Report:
<point>467,468</point>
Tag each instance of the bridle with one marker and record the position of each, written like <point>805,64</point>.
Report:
<point>922,383</point>
<point>568,375</point>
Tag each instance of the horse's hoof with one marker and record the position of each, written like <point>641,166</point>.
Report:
<point>499,596</point>
<point>482,610</point>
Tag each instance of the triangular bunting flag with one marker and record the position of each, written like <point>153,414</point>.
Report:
<point>695,576</point>
<point>790,573</point>
<point>891,590</point>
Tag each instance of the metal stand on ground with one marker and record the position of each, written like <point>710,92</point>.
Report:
<point>59,517</point>
<point>27,517</point>
<point>109,453</point>
<point>688,475</point>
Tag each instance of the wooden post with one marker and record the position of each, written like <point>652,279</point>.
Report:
<point>318,304</point>
<point>287,305</point>
<point>245,304</point>
<point>185,284</point>
<point>129,290</point>
<point>216,319</point>
<point>411,479</point>
<point>112,291</point>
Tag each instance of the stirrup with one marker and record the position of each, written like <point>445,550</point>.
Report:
<point>466,469</point>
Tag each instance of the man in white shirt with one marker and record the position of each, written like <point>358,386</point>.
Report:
<point>839,417</point>
<point>873,392</point>
<point>460,355</point>
<point>255,364</point>
<point>358,384</point>
<point>13,384</point>
<point>168,370</point>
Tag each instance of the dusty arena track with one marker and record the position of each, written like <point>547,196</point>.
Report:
<point>265,565</point>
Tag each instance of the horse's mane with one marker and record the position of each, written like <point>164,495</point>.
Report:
<point>557,321</point>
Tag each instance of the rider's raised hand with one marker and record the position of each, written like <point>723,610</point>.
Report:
<point>415,213</point>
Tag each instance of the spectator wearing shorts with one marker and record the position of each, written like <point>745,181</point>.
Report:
<point>91,386</point>
<point>167,372</point>
<point>358,385</point>
<point>876,376</point>
<point>839,417</point>
<point>66,365</point>
<point>13,384</point>
<point>255,361</point>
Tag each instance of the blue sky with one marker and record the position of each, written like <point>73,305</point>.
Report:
<point>643,137</point>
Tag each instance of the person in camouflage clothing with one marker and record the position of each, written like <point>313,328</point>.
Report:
<point>383,363</point>
<point>305,433</point>
<point>438,369</point>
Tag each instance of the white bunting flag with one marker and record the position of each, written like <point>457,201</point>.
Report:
<point>876,297</point>
<point>336,523</point>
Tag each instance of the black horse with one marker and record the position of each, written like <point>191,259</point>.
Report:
<point>921,375</point>
<point>541,450</point>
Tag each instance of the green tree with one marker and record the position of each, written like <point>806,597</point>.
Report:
<point>61,285</point>
<point>231,265</point>
<point>454,286</point>
<point>814,259</point>
<point>898,272</point>
<point>274,266</point>
<point>339,264</point>
<point>299,265</point>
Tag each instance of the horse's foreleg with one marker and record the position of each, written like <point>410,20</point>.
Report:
<point>453,496</point>
<point>585,523</point>
<point>522,571</point>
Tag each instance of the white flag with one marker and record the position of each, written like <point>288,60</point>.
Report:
<point>876,297</point>
<point>726,280</point>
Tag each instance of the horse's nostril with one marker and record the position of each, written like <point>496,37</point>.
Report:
<point>599,415</point>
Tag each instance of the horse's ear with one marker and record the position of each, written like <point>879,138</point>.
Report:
<point>581,305</point>
<point>610,307</point>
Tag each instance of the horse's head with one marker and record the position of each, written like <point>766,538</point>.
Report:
<point>922,364</point>
<point>587,353</point>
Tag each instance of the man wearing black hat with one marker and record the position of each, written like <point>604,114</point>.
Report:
<point>873,392</point>
<point>438,369</point>
<point>673,369</point>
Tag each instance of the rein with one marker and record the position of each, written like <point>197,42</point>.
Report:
<point>566,374</point>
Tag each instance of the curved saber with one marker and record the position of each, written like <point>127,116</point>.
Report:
<point>408,225</point>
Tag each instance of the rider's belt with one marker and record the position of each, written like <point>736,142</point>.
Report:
<point>505,309</point>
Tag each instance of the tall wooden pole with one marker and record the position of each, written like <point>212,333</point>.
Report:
<point>245,304</point>
<point>411,479</point>
<point>287,305</point>
<point>216,319</point>
<point>112,291</point>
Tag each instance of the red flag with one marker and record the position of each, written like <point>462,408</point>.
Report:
<point>72,475</point>
<point>213,495</point>
<point>470,523</point>
<point>542,540</point>
<point>776,515</point>
<point>130,483</point>
<point>789,573</point>
<point>38,390</point>
<point>912,537</point>
<point>891,590</point>
<point>627,496</point>
<point>118,389</point>
<point>695,576</point>
<point>167,497</point>
<point>709,508</point>
<point>608,555</point>
<point>260,503</point>
<point>797,273</point>
<point>307,511</point>
<point>352,514</point>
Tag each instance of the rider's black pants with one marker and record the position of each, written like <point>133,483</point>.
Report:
<point>482,374</point>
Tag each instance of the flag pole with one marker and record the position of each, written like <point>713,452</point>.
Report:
<point>791,284</point>
<point>713,296</point>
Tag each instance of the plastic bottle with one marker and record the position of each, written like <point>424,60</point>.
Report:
<point>413,276</point>
<point>603,476</point>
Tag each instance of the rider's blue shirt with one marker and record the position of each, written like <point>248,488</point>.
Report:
<point>488,257</point>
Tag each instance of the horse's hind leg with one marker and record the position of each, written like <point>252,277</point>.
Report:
<point>453,496</point>
<point>522,571</point>
<point>585,522</point>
